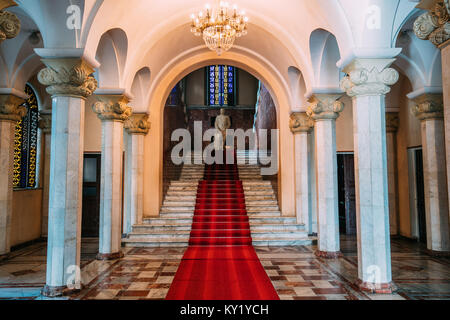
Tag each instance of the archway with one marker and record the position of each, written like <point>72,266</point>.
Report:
<point>177,70</point>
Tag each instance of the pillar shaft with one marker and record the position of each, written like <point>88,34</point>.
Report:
<point>372,200</point>
<point>301,125</point>
<point>137,127</point>
<point>325,110</point>
<point>445,52</point>
<point>112,109</point>
<point>301,178</point>
<point>134,182</point>
<point>429,110</point>
<point>10,113</point>
<point>111,188</point>
<point>368,82</point>
<point>69,82</point>
<point>65,193</point>
<point>6,182</point>
<point>327,186</point>
<point>433,25</point>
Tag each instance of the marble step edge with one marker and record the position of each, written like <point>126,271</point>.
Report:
<point>248,202</point>
<point>250,209</point>
<point>251,204</point>
<point>247,194</point>
<point>252,220</point>
<point>254,227</point>
<point>187,213</point>
<point>186,236</point>
<point>248,199</point>
<point>185,242</point>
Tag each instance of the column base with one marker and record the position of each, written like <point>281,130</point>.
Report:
<point>378,288</point>
<point>55,292</point>
<point>438,254</point>
<point>328,254</point>
<point>109,256</point>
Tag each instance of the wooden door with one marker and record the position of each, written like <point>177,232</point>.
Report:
<point>347,198</point>
<point>420,197</point>
<point>91,196</point>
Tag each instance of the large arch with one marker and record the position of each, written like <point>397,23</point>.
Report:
<point>177,70</point>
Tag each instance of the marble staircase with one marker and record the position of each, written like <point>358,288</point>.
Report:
<point>172,228</point>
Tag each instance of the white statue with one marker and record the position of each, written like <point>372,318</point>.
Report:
<point>223,123</point>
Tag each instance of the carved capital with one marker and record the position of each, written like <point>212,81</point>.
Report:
<point>369,77</point>
<point>112,107</point>
<point>138,124</point>
<point>11,108</point>
<point>434,25</point>
<point>300,122</point>
<point>9,25</point>
<point>68,77</point>
<point>429,106</point>
<point>325,106</point>
<point>45,121</point>
<point>392,121</point>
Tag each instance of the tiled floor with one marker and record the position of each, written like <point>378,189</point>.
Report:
<point>295,272</point>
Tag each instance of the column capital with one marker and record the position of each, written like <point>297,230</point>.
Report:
<point>367,77</point>
<point>325,106</point>
<point>429,106</point>
<point>434,24</point>
<point>9,23</point>
<point>392,121</point>
<point>45,121</point>
<point>11,108</point>
<point>68,77</point>
<point>300,122</point>
<point>112,107</point>
<point>138,124</point>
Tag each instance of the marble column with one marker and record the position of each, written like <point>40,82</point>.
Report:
<point>10,113</point>
<point>112,110</point>
<point>137,128</point>
<point>324,110</point>
<point>301,125</point>
<point>434,25</point>
<point>429,110</point>
<point>45,124</point>
<point>392,122</point>
<point>69,82</point>
<point>367,82</point>
<point>9,23</point>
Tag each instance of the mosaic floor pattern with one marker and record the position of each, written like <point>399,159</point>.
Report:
<point>147,273</point>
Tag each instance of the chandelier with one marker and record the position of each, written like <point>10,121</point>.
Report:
<point>219,26</point>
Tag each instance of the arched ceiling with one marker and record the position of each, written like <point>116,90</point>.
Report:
<point>158,32</point>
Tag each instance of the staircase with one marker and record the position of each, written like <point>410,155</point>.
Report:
<point>173,227</point>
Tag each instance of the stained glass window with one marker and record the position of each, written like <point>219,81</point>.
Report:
<point>174,96</point>
<point>25,143</point>
<point>221,85</point>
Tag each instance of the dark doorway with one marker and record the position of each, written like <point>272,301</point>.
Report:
<point>91,196</point>
<point>347,201</point>
<point>420,196</point>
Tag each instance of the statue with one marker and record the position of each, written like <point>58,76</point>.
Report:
<point>223,123</point>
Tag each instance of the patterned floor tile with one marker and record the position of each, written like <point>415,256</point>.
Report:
<point>296,273</point>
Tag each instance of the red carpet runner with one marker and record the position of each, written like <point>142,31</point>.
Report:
<point>221,263</point>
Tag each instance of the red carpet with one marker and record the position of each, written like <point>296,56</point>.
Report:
<point>221,263</point>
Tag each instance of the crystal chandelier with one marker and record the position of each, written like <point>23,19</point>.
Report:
<point>219,26</point>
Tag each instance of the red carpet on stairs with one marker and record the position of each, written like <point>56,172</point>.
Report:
<point>221,263</point>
